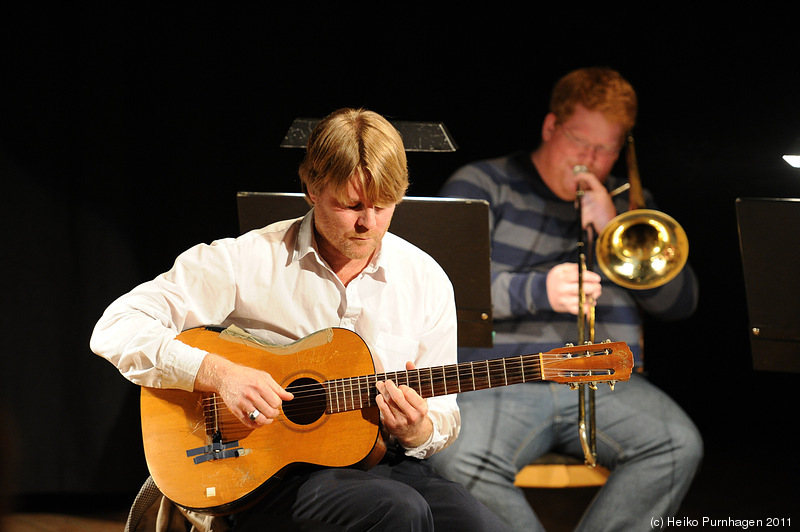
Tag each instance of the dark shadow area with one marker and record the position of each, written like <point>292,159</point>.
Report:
<point>126,133</point>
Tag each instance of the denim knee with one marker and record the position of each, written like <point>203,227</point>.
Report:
<point>689,446</point>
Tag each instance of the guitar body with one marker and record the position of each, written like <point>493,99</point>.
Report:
<point>176,422</point>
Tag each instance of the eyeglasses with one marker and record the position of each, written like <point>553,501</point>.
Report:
<point>603,150</point>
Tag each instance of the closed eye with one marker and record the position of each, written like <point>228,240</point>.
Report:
<point>360,207</point>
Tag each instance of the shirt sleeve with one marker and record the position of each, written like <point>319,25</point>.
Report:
<point>438,347</point>
<point>514,293</point>
<point>137,332</point>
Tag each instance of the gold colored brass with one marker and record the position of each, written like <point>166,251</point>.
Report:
<point>642,249</point>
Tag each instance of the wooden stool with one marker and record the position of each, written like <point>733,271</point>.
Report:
<point>559,471</point>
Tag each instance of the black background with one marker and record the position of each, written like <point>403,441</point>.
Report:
<point>126,133</point>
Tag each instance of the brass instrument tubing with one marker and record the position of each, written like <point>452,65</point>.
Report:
<point>587,435</point>
<point>619,190</point>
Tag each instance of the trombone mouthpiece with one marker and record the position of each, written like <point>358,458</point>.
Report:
<point>579,169</point>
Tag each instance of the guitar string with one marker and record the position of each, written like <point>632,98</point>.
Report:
<point>450,371</point>
<point>350,389</point>
<point>354,395</point>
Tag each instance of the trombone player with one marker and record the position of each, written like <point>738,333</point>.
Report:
<point>650,445</point>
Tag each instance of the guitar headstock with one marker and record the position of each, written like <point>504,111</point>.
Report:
<point>590,363</point>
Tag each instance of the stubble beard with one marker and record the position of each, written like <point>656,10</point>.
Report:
<point>359,249</point>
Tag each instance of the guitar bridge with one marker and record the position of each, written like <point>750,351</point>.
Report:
<point>217,451</point>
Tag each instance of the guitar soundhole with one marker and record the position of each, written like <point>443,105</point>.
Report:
<point>308,404</point>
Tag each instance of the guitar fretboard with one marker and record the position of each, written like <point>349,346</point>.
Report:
<point>353,393</point>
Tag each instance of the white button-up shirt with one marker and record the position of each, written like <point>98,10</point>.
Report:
<point>273,283</point>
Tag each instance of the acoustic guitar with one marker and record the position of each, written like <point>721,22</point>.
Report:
<point>203,458</point>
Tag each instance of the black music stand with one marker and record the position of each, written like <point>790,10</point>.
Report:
<point>455,232</point>
<point>769,260</point>
<point>428,137</point>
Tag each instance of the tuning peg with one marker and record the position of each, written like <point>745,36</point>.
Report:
<point>573,386</point>
<point>569,344</point>
<point>606,341</point>
<point>611,385</point>
<point>593,385</point>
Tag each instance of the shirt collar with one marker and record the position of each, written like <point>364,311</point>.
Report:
<point>305,245</point>
<point>305,237</point>
<point>377,266</point>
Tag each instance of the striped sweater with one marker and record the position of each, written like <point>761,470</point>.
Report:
<point>532,230</point>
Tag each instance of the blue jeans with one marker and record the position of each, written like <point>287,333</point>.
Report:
<point>650,445</point>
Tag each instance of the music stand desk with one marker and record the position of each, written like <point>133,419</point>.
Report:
<point>770,259</point>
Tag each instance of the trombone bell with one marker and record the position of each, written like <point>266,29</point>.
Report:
<point>642,249</point>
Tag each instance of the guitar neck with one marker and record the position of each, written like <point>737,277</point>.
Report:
<point>353,393</point>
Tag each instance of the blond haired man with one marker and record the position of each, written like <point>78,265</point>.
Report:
<point>338,266</point>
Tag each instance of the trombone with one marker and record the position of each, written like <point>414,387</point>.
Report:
<point>638,249</point>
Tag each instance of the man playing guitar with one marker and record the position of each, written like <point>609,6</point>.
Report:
<point>336,267</point>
